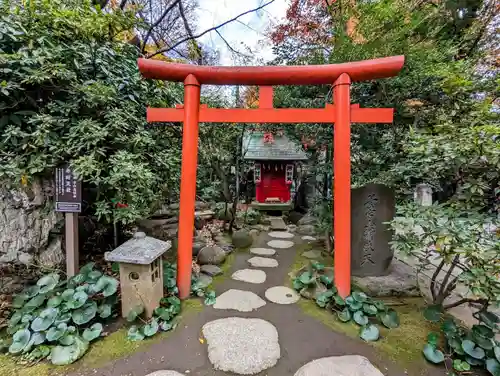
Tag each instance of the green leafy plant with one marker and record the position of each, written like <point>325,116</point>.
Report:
<point>466,348</point>
<point>60,317</point>
<point>314,281</point>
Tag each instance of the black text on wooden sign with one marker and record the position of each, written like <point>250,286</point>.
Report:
<point>68,191</point>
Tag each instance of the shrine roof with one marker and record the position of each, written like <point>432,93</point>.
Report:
<point>282,148</point>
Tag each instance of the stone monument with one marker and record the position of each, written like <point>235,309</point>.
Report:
<point>141,272</point>
<point>423,195</point>
<point>372,206</point>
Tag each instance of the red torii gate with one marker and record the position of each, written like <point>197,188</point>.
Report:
<point>342,114</point>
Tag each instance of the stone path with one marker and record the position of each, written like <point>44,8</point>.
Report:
<point>255,328</point>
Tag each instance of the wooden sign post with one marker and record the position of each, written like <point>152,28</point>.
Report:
<point>69,201</point>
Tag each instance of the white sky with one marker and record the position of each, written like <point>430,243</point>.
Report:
<point>214,12</point>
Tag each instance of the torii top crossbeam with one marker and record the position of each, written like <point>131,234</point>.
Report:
<point>273,75</point>
<point>342,114</point>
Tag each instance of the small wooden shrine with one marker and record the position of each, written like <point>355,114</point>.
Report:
<point>275,159</point>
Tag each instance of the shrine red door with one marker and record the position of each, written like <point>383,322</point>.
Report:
<point>273,185</point>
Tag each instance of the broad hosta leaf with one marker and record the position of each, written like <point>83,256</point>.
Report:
<point>48,282</point>
<point>26,319</point>
<point>490,319</point>
<point>19,341</point>
<point>62,355</point>
<point>63,318</point>
<point>107,285</point>
<point>496,351</point>
<point>370,309</point>
<point>323,298</point>
<point>38,338</point>
<point>474,362</point>
<point>210,298</point>
<point>449,327</point>
<point>344,315</point>
<point>306,278</point>
<point>15,318</point>
<point>432,354</point>
<point>67,295</point>
<point>317,265</point>
<point>56,332</point>
<point>359,296</point>
<point>471,349</point>
<point>433,313</point>
<point>369,333</point>
<point>360,318</point>
<point>67,339</point>
<point>135,312</point>
<point>166,326</point>
<point>135,334</point>
<point>34,303</point>
<point>338,300</point>
<point>327,280</point>
<point>380,305</point>
<point>84,314</point>
<point>55,301</point>
<point>92,333</point>
<point>169,282</point>
<point>104,310</point>
<point>483,331</point>
<point>460,365</point>
<point>93,276</point>
<point>31,291</point>
<point>87,268</point>
<point>151,328</point>
<point>45,319</point>
<point>163,313</point>
<point>433,338</point>
<point>456,344</point>
<point>390,319</point>
<point>19,301</point>
<point>297,285</point>
<point>85,288</point>
<point>493,366</point>
<point>353,304</point>
<point>78,300</point>
<point>41,352</point>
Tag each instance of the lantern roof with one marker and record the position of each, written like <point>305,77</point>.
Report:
<point>256,146</point>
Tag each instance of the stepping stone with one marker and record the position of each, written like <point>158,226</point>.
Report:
<point>242,346</point>
<point>347,365</point>
<point>204,281</point>
<point>281,244</point>
<point>277,223</point>
<point>280,235</point>
<point>313,254</point>
<point>249,275</point>
<point>211,270</point>
<point>263,251</point>
<point>282,295</point>
<point>309,238</point>
<point>165,373</point>
<point>239,300</point>
<point>263,262</point>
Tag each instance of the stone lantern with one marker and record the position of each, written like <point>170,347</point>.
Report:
<point>141,272</point>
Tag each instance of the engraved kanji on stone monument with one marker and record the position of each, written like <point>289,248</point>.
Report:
<point>372,205</point>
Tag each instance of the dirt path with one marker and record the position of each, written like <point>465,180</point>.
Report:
<point>301,338</point>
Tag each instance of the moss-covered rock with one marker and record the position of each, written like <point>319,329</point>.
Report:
<point>242,239</point>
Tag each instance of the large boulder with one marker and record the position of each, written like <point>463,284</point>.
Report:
<point>197,247</point>
<point>295,217</point>
<point>214,255</point>
<point>306,230</point>
<point>242,239</point>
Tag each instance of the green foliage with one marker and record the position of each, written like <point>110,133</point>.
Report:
<point>71,92</point>
<point>314,281</point>
<point>58,318</point>
<point>454,236</point>
<point>466,348</point>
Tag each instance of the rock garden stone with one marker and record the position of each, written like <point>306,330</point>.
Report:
<point>204,281</point>
<point>211,270</point>
<point>307,220</point>
<point>282,295</point>
<point>309,238</point>
<point>242,346</point>
<point>280,235</point>
<point>262,251</point>
<point>278,224</point>
<point>263,262</point>
<point>291,228</point>
<point>239,300</point>
<point>250,276</point>
<point>347,365</point>
<point>254,233</point>
<point>306,230</point>
<point>242,239</point>
<point>165,373</point>
<point>312,254</point>
<point>294,217</point>
<point>211,255</point>
<point>281,244</point>
<point>400,281</point>
<point>197,247</point>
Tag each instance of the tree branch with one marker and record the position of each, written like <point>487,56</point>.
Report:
<point>462,301</point>
<point>433,279</point>
<point>169,48</point>
<point>447,277</point>
<point>229,46</point>
<point>189,31</point>
<point>157,22</point>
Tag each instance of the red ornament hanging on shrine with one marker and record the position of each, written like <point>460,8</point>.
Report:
<point>268,138</point>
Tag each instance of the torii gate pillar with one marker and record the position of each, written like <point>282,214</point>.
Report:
<point>342,114</point>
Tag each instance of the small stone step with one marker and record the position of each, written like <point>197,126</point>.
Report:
<point>278,223</point>
<point>262,251</point>
<point>281,235</point>
<point>239,300</point>
<point>281,244</point>
<point>263,262</point>
<point>249,276</point>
